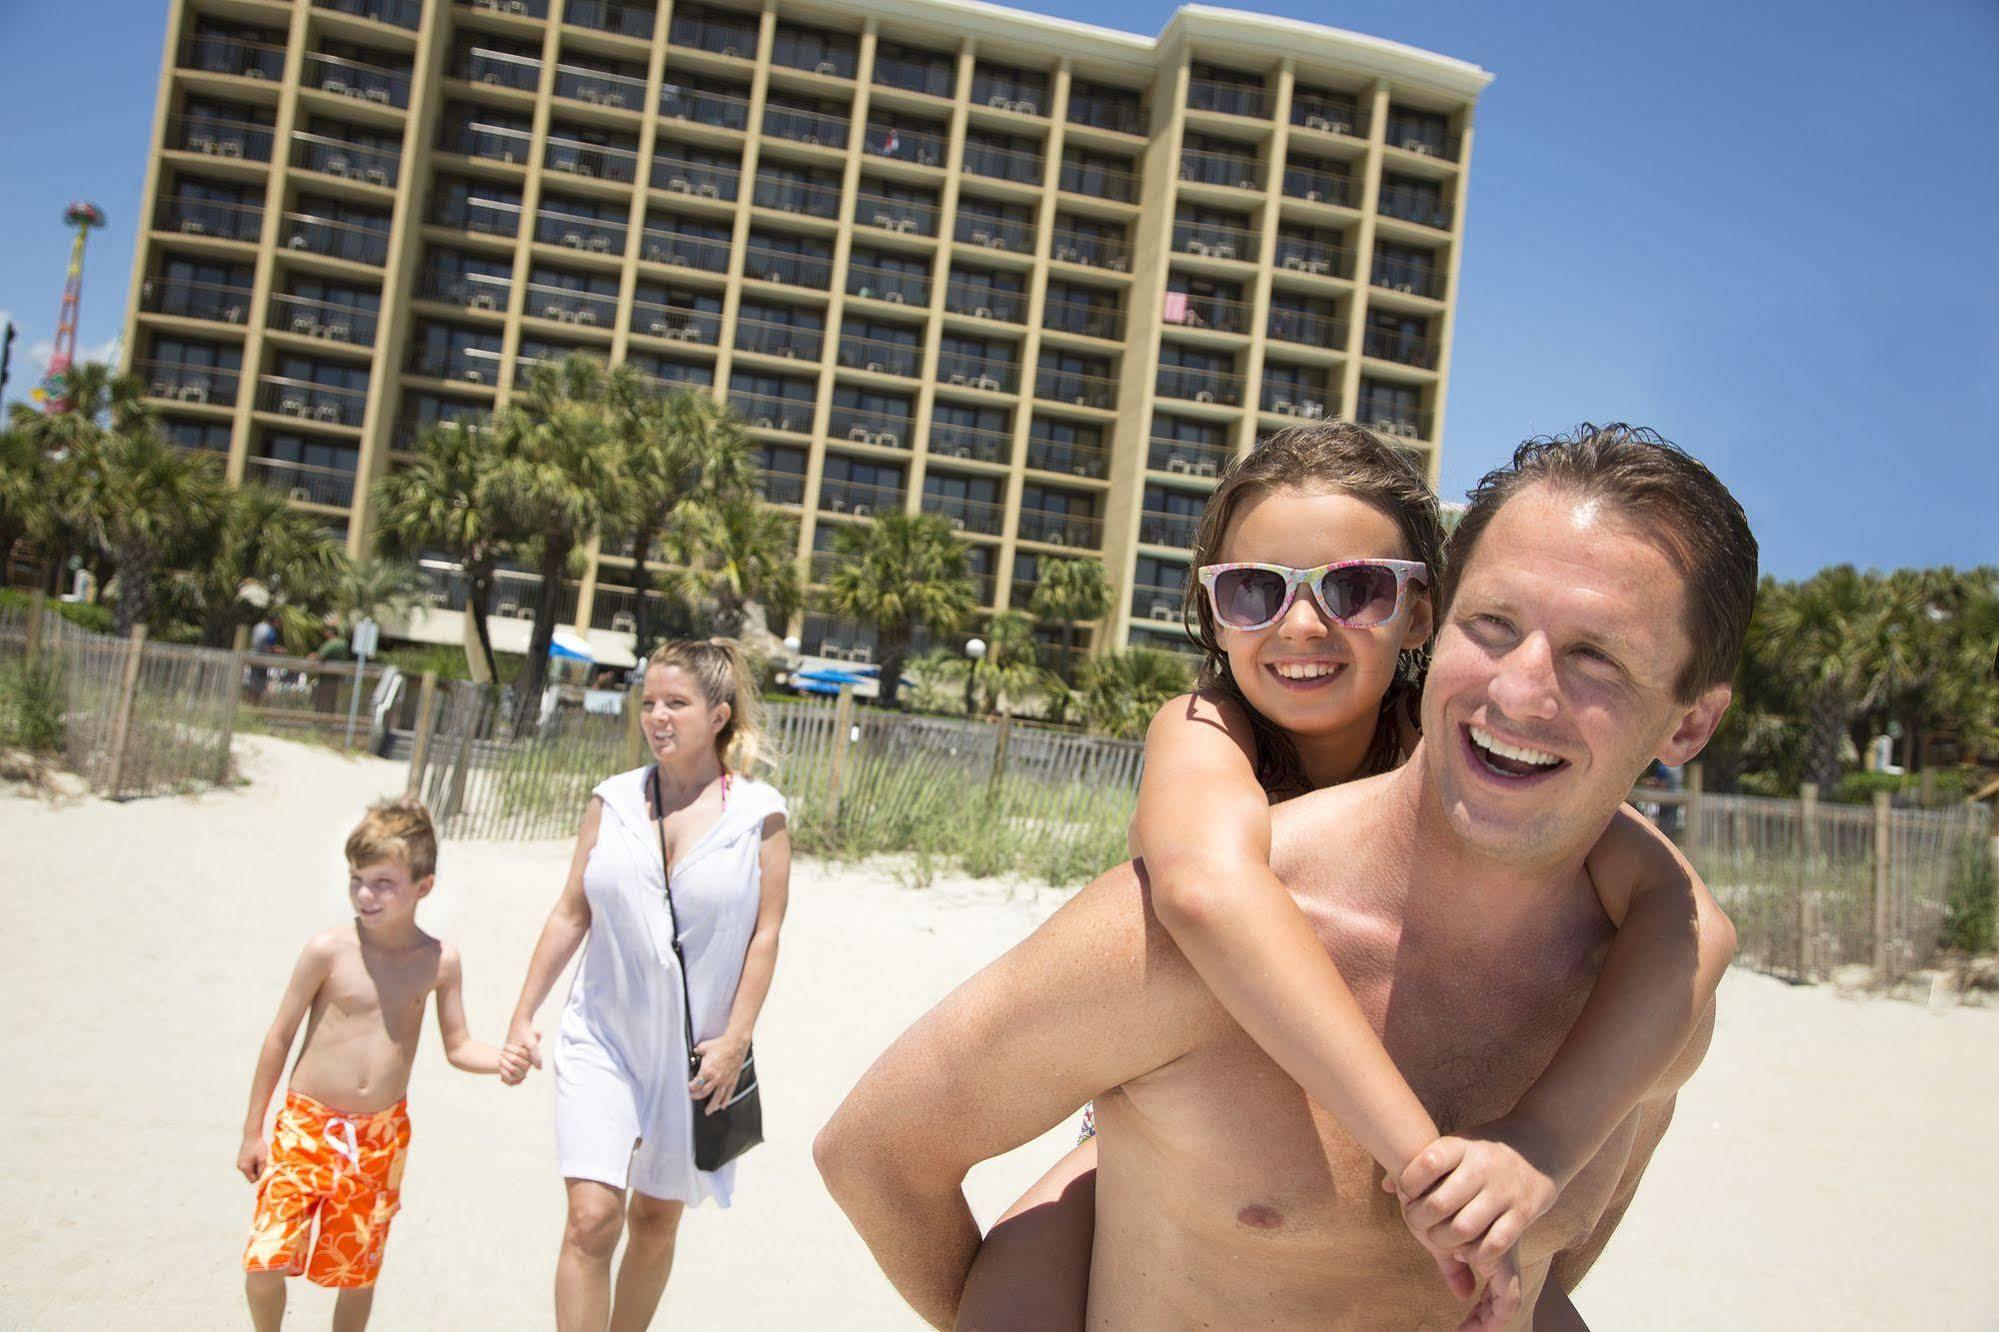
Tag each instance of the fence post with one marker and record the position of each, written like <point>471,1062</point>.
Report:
<point>635,736</point>
<point>121,723</point>
<point>1696,785</point>
<point>999,751</point>
<point>426,717</point>
<point>473,713</point>
<point>38,605</point>
<point>836,767</point>
<point>1883,883</point>
<point>1808,855</point>
<point>234,696</point>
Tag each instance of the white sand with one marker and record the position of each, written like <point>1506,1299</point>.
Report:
<point>1827,1169</point>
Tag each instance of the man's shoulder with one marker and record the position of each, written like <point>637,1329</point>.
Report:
<point>1312,833</point>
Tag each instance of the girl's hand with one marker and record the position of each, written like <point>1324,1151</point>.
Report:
<point>721,1066</point>
<point>252,1159</point>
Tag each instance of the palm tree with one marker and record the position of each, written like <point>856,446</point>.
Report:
<point>102,403</point>
<point>896,572</point>
<point>24,494</point>
<point>1068,591</point>
<point>1120,691</point>
<point>556,472</point>
<point>1830,631</point>
<point>375,586</point>
<point>439,503</point>
<point>683,451</point>
<point>255,536</point>
<point>130,496</point>
<point>736,553</point>
<point>1009,668</point>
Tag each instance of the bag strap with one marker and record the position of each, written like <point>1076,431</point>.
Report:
<point>673,918</point>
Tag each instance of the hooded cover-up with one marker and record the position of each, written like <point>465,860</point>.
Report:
<point>621,1060</point>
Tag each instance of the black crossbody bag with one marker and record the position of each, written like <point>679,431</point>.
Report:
<point>738,1126</point>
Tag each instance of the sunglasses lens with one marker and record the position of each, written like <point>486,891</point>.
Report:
<point>1245,597</point>
<point>1361,594</point>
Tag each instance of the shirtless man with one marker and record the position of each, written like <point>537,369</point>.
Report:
<point>1598,595</point>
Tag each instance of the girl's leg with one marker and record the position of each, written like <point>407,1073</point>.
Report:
<point>583,1270</point>
<point>351,1308</point>
<point>266,1293</point>
<point>1033,1270</point>
<point>651,1225</point>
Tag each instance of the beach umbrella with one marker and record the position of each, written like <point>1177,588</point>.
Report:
<point>570,646</point>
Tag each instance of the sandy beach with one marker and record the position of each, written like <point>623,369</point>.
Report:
<point>1832,1166</point>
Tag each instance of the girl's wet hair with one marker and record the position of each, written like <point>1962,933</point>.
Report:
<point>1324,457</point>
<point>722,669</point>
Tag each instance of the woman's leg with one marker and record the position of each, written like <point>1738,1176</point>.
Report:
<point>583,1270</point>
<point>651,1224</point>
<point>1033,1270</point>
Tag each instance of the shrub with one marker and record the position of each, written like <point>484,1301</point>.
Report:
<point>81,614</point>
<point>31,705</point>
<point>1971,916</point>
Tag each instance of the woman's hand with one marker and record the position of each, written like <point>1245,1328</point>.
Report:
<point>721,1066</point>
<point>522,1050</point>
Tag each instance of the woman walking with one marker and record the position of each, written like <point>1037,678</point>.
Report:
<point>625,1107</point>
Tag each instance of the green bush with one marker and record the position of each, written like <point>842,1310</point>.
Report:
<point>81,614</point>
<point>31,704</point>
<point>1859,788</point>
<point>1971,917</point>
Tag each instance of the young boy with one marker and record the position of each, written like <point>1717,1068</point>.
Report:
<point>337,1150</point>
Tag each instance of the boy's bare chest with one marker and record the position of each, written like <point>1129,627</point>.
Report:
<point>389,989</point>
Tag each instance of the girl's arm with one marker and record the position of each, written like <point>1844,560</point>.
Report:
<point>1032,1273</point>
<point>568,923</point>
<point>460,1050</point>
<point>308,974</point>
<point>722,1056</point>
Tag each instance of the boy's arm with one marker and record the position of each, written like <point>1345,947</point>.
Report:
<point>460,1049</point>
<point>308,974</point>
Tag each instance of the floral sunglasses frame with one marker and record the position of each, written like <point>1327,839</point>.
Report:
<point>1405,571</point>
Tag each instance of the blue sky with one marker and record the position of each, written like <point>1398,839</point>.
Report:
<point>1765,228</point>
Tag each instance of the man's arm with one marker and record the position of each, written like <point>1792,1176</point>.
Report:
<point>1095,997</point>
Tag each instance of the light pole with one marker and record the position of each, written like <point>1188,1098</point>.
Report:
<point>975,651</point>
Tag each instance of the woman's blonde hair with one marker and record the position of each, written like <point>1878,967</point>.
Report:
<point>725,675</point>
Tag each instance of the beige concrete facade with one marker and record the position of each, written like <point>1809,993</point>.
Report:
<point>1040,277</point>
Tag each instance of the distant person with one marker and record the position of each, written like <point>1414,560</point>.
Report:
<point>264,641</point>
<point>333,648</point>
<point>624,1105</point>
<point>337,1149</point>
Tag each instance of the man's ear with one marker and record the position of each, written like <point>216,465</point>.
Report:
<point>1696,726</point>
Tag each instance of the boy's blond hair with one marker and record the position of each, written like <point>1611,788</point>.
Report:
<point>398,830</point>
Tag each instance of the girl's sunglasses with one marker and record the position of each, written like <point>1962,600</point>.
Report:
<point>1359,594</point>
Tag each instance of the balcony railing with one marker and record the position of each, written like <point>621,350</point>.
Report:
<point>1214,240</point>
<point>303,482</point>
<point>335,240</point>
<point>329,320</point>
<point>1219,313</point>
<point>1409,279</point>
<point>834,62</point>
<point>903,215</point>
<point>209,217</point>
<point>519,8</point>
<point>609,16</point>
<point>1310,256</point>
<point>1015,164</point>
<point>229,55</point>
<point>721,110</point>
<point>1060,529</point>
<point>793,197</point>
<point>715,35</point>
<point>588,309</point>
<point>879,356</point>
<point>1315,113</point>
<point>195,300</point>
<point>1221,387</point>
<point>772,339</point>
<point>670,247</point>
<point>1073,459</point>
<point>173,381</point>
<point>1073,247</point>
<point>858,499</point>
<point>1204,168</point>
<point>337,157</point>
<point>1076,388</point>
<point>1314,186</point>
<point>495,143</point>
<point>591,160</point>
<point>905,145</point>
<point>1404,348</point>
<point>1183,457</point>
<point>474,291</point>
<point>487,217</point>
<point>1306,327</point>
<point>1082,317</point>
<point>766,411</point>
<point>880,429</point>
<point>1100,182</point>
<point>1156,602</point>
<point>677,322</point>
<point>500,69</point>
<point>881,284</point>
<point>794,270</point>
<point>1425,140</point>
<point>781,487</point>
<point>697,180</point>
<point>212,137</point>
<point>967,515</point>
<point>949,440</point>
<point>990,373</point>
<point>994,233</point>
<point>1303,401</point>
<point>1397,421</point>
<point>467,365</point>
<point>785,122</point>
<point>1003,92</point>
<point>937,79</point>
<point>983,302</point>
<point>599,88</point>
<point>589,234</point>
<point>351,78</point>
<point>1167,529</point>
<point>1424,207</point>
<point>1229,97</point>
<point>400,13</point>
<point>307,401</point>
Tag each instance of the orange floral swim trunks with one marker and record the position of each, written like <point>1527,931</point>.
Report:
<point>346,1172</point>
